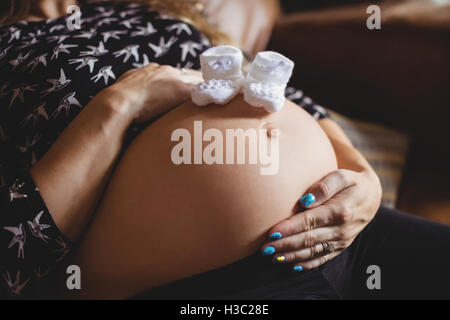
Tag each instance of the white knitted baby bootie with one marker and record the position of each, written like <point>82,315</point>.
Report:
<point>221,69</point>
<point>267,79</point>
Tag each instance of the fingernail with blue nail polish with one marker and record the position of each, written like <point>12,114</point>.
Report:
<point>297,269</point>
<point>308,199</point>
<point>269,251</point>
<point>275,236</point>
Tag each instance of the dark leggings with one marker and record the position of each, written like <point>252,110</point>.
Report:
<point>413,256</point>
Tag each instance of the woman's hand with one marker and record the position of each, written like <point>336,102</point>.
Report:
<point>337,208</point>
<point>81,160</point>
<point>148,92</point>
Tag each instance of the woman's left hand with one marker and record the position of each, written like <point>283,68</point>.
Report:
<point>337,209</point>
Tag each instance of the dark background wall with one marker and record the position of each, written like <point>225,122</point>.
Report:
<point>304,5</point>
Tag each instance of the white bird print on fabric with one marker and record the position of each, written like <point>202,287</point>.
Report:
<point>36,61</point>
<point>4,52</point>
<point>36,227</point>
<point>38,33</point>
<point>88,34</point>
<point>39,274</point>
<point>35,114</point>
<point>19,237</point>
<point>143,63</point>
<point>189,47</point>
<point>112,34</point>
<point>15,34</point>
<point>130,12</point>
<point>163,16</point>
<point>50,20</point>
<point>133,5</point>
<point>180,27</point>
<point>105,73</point>
<point>62,47</point>
<point>59,38</point>
<point>20,59</point>
<point>318,110</point>
<point>57,27</point>
<point>128,51</point>
<point>14,191</point>
<point>95,51</point>
<point>57,84</point>
<point>144,31</point>
<point>90,19</point>
<point>204,41</point>
<point>105,21</point>
<point>26,44</point>
<point>15,288</point>
<point>105,12</point>
<point>19,93</point>
<point>29,143</point>
<point>306,101</point>
<point>85,61</point>
<point>163,47</point>
<point>187,65</point>
<point>65,105</point>
<point>292,93</point>
<point>129,22</point>
<point>31,38</point>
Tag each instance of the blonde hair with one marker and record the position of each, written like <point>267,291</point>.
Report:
<point>190,11</point>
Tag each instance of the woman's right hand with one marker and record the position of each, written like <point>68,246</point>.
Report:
<point>148,92</point>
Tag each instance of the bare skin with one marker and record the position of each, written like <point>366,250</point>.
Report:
<point>159,222</point>
<point>49,9</point>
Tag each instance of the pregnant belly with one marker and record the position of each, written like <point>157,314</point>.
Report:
<point>172,209</point>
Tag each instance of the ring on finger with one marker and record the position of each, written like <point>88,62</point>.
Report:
<point>328,247</point>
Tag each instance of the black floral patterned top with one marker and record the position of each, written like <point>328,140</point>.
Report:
<point>48,73</point>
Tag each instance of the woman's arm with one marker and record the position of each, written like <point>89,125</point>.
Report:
<point>54,201</point>
<point>348,157</point>
<point>337,209</point>
<point>71,176</point>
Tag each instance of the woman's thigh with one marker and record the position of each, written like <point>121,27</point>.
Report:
<point>254,277</point>
<point>412,254</point>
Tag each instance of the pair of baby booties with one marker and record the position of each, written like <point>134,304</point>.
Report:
<point>264,84</point>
